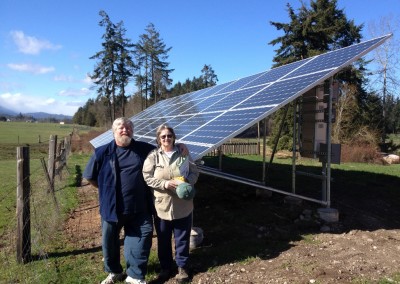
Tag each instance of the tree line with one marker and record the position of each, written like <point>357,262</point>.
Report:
<point>365,112</point>
<point>144,64</point>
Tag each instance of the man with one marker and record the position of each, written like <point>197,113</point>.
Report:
<point>125,202</point>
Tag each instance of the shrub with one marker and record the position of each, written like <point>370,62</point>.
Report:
<point>363,147</point>
<point>80,143</point>
<point>360,154</point>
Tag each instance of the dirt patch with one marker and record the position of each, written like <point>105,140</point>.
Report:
<point>253,239</point>
<point>80,141</point>
<point>83,226</point>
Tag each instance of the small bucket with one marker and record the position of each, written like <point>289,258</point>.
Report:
<point>196,237</point>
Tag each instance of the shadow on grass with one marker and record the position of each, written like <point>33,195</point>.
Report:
<point>239,225</point>
<point>67,253</point>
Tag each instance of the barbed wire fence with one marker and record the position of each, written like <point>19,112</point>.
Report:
<point>33,237</point>
<point>38,219</point>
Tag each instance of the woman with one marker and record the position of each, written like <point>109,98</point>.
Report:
<point>163,170</point>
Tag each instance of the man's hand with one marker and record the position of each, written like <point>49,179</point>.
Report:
<point>183,149</point>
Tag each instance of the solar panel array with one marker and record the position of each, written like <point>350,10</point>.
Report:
<point>207,118</point>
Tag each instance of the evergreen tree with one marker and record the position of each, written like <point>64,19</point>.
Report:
<point>313,30</point>
<point>152,53</point>
<point>78,116</point>
<point>207,79</point>
<point>208,76</point>
<point>86,115</point>
<point>114,66</point>
<point>125,65</point>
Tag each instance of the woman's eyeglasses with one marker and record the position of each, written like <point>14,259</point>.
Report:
<point>166,136</point>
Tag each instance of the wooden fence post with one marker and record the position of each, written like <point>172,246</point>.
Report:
<point>51,164</point>
<point>23,206</point>
<point>67,146</point>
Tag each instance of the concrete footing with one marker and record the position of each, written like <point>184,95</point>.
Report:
<point>329,215</point>
<point>263,193</point>
<point>292,200</point>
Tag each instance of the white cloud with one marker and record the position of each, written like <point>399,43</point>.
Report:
<point>63,78</point>
<point>74,92</point>
<point>24,103</point>
<point>31,45</point>
<point>70,79</point>
<point>88,80</point>
<point>34,69</point>
<point>7,86</point>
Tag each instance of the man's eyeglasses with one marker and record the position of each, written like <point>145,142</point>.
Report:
<point>166,136</point>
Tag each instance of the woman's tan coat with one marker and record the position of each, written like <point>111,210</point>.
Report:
<point>157,170</point>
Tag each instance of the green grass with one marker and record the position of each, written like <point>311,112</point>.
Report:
<point>395,138</point>
<point>309,239</point>
<point>29,133</point>
<point>58,262</point>
<point>16,134</point>
<point>8,179</point>
<point>54,261</point>
<point>280,169</point>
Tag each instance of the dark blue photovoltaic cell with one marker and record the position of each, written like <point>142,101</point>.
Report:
<point>182,125</point>
<point>216,89</point>
<point>155,110</point>
<point>232,99</point>
<point>228,122</point>
<point>277,73</point>
<point>333,59</point>
<point>198,151</point>
<point>144,128</point>
<point>177,109</point>
<point>102,139</point>
<point>278,92</point>
<point>148,140</point>
<point>241,83</point>
<point>199,105</point>
<point>206,118</point>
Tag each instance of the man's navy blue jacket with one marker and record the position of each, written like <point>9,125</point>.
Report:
<point>103,168</point>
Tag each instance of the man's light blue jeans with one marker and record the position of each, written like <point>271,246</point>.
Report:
<point>138,229</point>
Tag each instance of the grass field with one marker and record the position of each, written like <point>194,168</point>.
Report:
<point>25,133</point>
<point>31,133</point>
<point>395,138</point>
<point>58,262</point>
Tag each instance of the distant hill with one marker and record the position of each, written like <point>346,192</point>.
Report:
<point>36,115</point>
<point>43,115</point>
<point>7,112</point>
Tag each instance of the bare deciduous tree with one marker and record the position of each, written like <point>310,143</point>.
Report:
<point>386,59</point>
<point>345,109</point>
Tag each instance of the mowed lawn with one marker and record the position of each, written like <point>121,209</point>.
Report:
<point>29,133</point>
<point>84,266</point>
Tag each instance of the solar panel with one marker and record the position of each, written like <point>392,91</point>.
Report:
<point>206,118</point>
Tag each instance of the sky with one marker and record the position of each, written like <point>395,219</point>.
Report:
<point>45,45</point>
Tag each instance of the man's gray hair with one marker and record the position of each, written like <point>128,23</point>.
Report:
<point>121,120</point>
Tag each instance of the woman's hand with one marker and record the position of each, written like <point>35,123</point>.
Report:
<point>171,184</point>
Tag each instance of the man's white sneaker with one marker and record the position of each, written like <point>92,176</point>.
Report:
<point>113,278</point>
<point>130,280</point>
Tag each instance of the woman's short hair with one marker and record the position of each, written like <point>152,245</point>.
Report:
<point>161,128</point>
